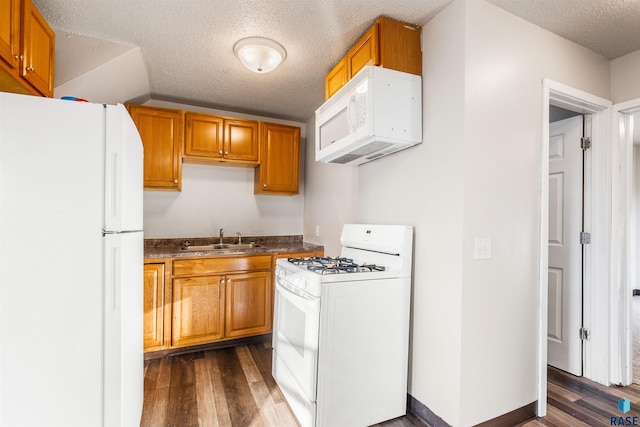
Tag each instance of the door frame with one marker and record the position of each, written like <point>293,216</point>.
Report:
<point>597,263</point>
<point>625,241</point>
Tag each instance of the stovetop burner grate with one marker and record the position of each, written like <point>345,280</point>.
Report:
<point>339,265</point>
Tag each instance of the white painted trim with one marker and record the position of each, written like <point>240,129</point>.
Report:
<point>543,273</point>
<point>597,303</point>
<point>596,350</point>
<point>624,241</point>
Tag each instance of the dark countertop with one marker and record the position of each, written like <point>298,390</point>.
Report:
<point>170,248</point>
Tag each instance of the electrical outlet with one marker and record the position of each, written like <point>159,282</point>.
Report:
<point>482,248</point>
<point>317,232</point>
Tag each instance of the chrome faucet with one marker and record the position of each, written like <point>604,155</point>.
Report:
<point>239,237</point>
<point>221,235</point>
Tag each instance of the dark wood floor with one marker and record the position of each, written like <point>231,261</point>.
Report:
<point>575,401</point>
<point>233,387</point>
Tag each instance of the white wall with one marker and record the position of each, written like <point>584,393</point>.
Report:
<point>333,202</point>
<point>116,81</point>
<point>477,174</point>
<point>215,197</point>
<point>625,77</point>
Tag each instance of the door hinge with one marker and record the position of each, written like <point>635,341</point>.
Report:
<point>585,335</point>
<point>585,238</point>
<point>585,143</point>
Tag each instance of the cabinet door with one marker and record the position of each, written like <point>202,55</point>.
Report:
<point>364,52</point>
<point>198,310</point>
<point>161,131</point>
<point>153,306</point>
<point>279,170</point>
<point>204,136</point>
<point>38,45</point>
<point>337,77</point>
<point>10,31</point>
<point>249,305</point>
<point>241,141</point>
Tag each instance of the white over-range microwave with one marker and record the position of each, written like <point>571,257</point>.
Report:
<point>378,112</point>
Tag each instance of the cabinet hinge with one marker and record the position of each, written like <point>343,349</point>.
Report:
<point>585,238</point>
<point>585,335</point>
<point>585,143</point>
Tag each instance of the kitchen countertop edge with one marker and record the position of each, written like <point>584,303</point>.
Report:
<point>151,252</point>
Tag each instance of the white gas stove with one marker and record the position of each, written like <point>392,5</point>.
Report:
<point>341,329</point>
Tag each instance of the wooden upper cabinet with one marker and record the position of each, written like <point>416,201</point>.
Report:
<point>10,32</point>
<point>162,132</point>
<point>387,43</point>
<point>38,47</point>
<point>279,169</point>
<point>337,77</point>
<point>204,137</point>
<point>27,49</point>
<point>364,52</point>
<point>211,139</point>
<point>400,46</point>
<point>241,141</point>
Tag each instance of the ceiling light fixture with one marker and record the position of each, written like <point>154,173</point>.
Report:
<point>259,54</point>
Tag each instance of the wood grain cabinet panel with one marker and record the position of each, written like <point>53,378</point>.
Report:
<point>10,32</point>
<point>198,310</point>
<point>27,49</point>
<point>364,52</point>
<point>249,304</point>
<point>162,133</point>
<point>153,306</point>
<point>279,169</point>
<point>336,78</point>
<point>241,141</point>
<point>204,138</point>
<point>38,47</point>
<point>387,43</point>
<point>222,265</point>
<point>218,140</point>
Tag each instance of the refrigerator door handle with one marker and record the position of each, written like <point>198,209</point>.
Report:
<point>109,232</point>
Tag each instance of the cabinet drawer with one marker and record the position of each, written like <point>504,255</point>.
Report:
<point>202,266</point>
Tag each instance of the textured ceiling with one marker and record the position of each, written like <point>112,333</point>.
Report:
<point>187,45</point>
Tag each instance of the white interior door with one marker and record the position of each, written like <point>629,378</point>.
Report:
<point>565,250</point>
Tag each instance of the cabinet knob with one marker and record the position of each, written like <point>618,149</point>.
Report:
<point>175,181</point>
<point>220,152</point>
<point>222,281</point>
<point>16,57</point>
<point>31,69</point>
<point>228,281</point>
<point>264,185</point>
<point>226,152</point>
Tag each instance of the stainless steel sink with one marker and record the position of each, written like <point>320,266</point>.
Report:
<point>221,247</point>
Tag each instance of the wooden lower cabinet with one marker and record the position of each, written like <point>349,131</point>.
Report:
<point>211,299</point>
<point>198,310</point>
<point>156,327</point>
<point>249,303</point>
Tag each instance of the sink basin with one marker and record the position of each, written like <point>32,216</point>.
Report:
<point>243,245</point>
<point>224,246</point>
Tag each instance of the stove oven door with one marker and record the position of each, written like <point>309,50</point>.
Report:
<point>295,345</point>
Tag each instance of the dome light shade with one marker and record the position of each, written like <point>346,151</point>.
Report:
<point>258,54</point>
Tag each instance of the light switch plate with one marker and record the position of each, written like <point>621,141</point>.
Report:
<point>482,248</point>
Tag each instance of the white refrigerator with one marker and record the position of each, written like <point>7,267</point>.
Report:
<point>71,264</point>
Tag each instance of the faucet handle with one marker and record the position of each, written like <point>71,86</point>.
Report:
<point>239,237</point>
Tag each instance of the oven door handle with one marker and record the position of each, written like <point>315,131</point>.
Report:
<point>283,285</point>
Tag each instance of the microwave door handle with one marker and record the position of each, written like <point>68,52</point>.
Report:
<point>352,114</point>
